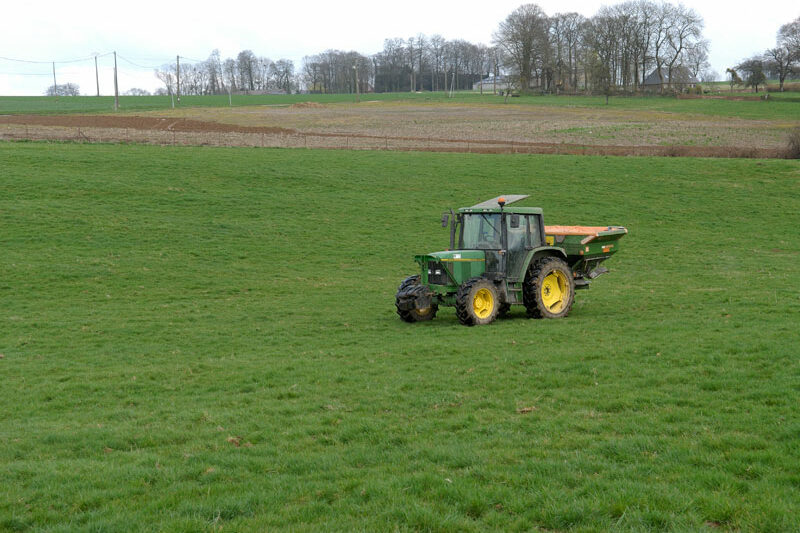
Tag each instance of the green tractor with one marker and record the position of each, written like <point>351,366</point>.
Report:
<point>502,256</point>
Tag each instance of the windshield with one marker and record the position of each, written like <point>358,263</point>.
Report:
<point>481,232</point>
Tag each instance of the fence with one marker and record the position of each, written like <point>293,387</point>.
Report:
<point>335,141</point>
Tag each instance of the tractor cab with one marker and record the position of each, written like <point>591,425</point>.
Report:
<point>506,236</point>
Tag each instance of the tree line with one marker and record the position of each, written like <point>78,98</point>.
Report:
<point>622,48</point>
<point>615,49</point>
<point>247,73</point>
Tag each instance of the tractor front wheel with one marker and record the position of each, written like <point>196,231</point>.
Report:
<point>409,286</point>
<point>477,302</point>
<point>549,289</point>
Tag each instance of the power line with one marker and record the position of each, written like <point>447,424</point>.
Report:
<point>22,74</point>
<point>47,62</point>
<point>136,64</point>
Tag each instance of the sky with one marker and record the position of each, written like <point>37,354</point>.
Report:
<point>147,34</point>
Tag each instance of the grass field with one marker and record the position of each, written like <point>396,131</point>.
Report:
<point>785,107</point>
<point>205,338</point>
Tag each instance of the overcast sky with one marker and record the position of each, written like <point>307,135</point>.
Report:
<point>150,33</point>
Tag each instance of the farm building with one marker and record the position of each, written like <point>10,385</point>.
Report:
<point>490,84</point>
<point>682,79</point>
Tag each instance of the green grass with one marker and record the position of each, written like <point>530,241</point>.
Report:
<point>204,338</point>
<point>783,107</point>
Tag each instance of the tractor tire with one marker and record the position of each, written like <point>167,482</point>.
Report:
<point>503,311</point>
<point>477,302</point>
<point>549,289</point>
<point>411,284</point>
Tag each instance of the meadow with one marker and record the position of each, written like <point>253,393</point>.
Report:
<point>199,338</point>
<point>780,106</point>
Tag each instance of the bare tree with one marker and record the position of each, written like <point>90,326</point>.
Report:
<point>167,76</point>
<point>697,58</point>
<point>312,75</point>
<point>709,76</point>
<point>523,37</point>
<point>436,47</point>
<point>282,72</point>
<point>566,29</point>
<point>66,89</point>
<point>422,44</point>
<point>662,30</point>
<point>246,69</point>
<point>686,30</point>
<point>216,83</point>
<point>782,60</point>
<point>789,36</point>
<point>229,74</point>
<point>779,61</point>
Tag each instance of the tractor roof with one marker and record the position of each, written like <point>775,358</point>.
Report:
<point>491,206</point>
<point>509,199</point>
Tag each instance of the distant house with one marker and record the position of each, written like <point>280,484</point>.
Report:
<point>490,84</point>
<point>681,79</point>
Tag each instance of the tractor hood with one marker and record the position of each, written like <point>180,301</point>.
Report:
<point>453,256</point>
<point>451,267</point>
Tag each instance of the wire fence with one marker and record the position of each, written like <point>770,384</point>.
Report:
<point>333,141</point>
<point>249,139</point>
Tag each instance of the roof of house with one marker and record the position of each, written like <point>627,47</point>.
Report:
<point>680,75</point>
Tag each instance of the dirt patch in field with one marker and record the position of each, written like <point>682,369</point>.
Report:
<point>135,122</point>
<point>306,105</point>
<point>424,128</point>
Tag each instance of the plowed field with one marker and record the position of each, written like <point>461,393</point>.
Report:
<point>427,127</point>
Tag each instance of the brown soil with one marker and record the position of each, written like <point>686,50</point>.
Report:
<point>134,122</point>
<point>307,105</point>
<point>340,130</point>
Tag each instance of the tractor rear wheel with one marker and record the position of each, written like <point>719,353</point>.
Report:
<point>549,290</point>
<point>409,286</point>
<point>477,302</point>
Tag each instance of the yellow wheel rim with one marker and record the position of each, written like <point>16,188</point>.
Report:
<point>483,303</point>
<point>555,291</point>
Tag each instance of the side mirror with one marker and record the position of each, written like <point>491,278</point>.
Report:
<point>445,220</point>
<point>514,221</point>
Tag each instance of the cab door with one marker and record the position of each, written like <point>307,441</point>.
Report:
<point>518,235</point>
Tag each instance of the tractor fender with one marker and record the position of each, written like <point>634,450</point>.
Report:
<point>543,251</point>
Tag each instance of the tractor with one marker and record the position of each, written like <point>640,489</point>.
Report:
<point>501,256</point>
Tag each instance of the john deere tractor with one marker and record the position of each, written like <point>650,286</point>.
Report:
<point>501,256</point>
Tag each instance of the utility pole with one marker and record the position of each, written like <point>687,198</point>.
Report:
<point>178,72</point>
<point>55,85</point>
<point>358,96</point>
<point>96,75</point>
<point>494,77</point>
<point>116,86</point>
